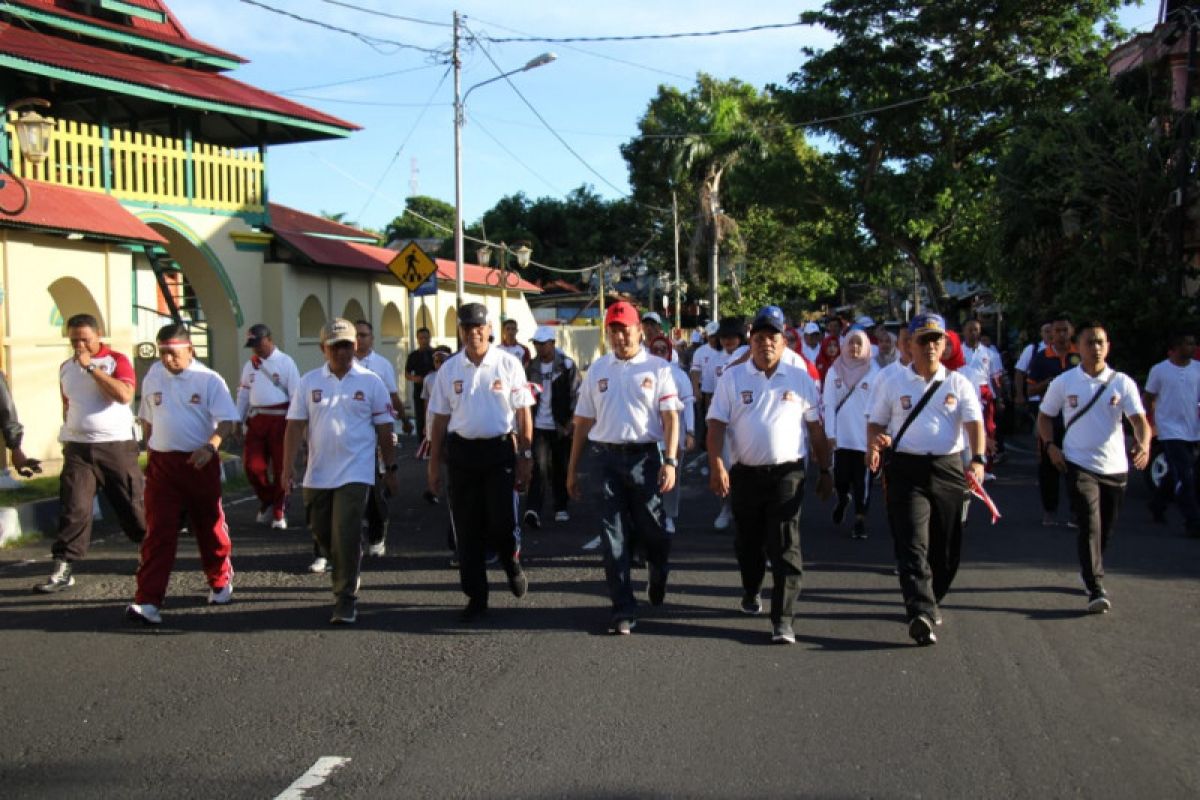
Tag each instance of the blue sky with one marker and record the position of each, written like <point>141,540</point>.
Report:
<point>592,95</point>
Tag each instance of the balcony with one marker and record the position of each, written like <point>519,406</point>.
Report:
<point>147,168</point>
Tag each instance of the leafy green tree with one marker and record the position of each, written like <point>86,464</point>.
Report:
<point>411,226</point>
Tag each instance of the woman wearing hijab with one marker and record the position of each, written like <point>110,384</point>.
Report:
<point>831,349</point>
<point>887,349</point>
<point>660,346</point>
<point>848,385</point>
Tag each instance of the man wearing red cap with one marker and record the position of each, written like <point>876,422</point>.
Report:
<point>627,406</point>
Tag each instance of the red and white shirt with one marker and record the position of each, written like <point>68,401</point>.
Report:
<point>184,410</point>
<point>626,398</point>
<point>269,381</point>
<point>342,415</point>
<point>93,416</point>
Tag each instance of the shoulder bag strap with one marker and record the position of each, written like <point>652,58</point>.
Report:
<point>912,415</point>
<point>1091,402</point>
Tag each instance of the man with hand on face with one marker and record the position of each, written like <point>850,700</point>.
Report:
<point>627,406</point>
<point>186,413</point>
<point>482,429</point>
<point>269,380</point>
<point>344,410</point>
<point>1092,398</point>
<point>918,415</point>
<point>770,411</point>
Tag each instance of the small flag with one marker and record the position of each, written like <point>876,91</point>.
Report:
<point>422,450</point>
<point>977,489</point>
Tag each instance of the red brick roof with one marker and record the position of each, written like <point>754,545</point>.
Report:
<point>61,210</point>
<point>170,32</point>
<point>87,60</point>
<point>284,218</point>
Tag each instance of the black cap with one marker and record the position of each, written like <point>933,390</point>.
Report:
<point>731,326</point>
<point>473,314</point>
<point>256,333</point>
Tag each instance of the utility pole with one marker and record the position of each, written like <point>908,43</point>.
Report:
<point>675,228</point>
<point>714,289</point>
<point>456,61</point>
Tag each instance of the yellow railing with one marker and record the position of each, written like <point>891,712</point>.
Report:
<point>146,167</point>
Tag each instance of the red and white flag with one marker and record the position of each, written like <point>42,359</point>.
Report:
<point>978,490</point>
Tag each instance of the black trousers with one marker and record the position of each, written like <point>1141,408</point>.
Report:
<point>111,466</point>
<point>766,511</point>
<point>376,513</point>
<point>1095,501</point>
<point>419,409</point>
<point>483,507</point>
<point>851,477</point>
<point>551,451</point>
<point>925,496</point>
<point>1049,478</point>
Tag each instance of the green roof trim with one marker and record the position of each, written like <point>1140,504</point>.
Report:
<point>162,96</point>
<point>107,34</point>
<point>153,217</point>
<point>134,10</point>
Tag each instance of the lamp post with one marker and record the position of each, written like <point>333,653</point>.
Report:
<point>460,98</point>
<point>522,251</point>
<point>33,140</point>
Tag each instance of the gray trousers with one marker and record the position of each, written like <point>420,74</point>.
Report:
<point>335,519</point>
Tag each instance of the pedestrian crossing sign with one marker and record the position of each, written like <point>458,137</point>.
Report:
<point>412,266</point>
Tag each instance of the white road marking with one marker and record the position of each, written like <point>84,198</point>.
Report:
<point>317,774</point>
<point>239,501</point>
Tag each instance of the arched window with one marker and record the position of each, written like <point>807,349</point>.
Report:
<point>70,298</point>
<point>451,322</point>
<point>425,320</point>
<point>391,326</point>
<point>312,317</point>
<point>353,311</point>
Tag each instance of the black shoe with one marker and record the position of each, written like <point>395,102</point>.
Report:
<point>1157,513</point>
<point>345,611</point>
<point>59,580</point>
<point>839,511</point>
<point>475,610</point>
<point>751,604</point>
<point>517,580</point>
<point>921,630</point>
<point>658,588</point>
<point>533,519</point>
<point>860,529</point>
<point>1098,602</point>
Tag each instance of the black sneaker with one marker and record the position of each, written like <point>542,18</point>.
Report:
<point>860,529</point>
<point>782,633</point>
<point>921,630</point>
<point>533,519</point>
<point>345,611</point>
<point>59,580</point>
<point>475,610</point>
<point>657,590</point>
<point>517,580</point>
<point>751,604</point>
<point>1098,602</point>
<point>839,511</point>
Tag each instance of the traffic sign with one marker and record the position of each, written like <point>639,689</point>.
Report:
<point>427,288</point>
<point>412,266</point>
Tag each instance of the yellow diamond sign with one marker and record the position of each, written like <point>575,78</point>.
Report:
<point>412,266</point>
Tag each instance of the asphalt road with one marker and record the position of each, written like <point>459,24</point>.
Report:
<point>1023,696</point>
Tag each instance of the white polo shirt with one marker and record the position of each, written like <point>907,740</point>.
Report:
<point>184,410</point>
<point>767,417</point>
<point>687,397</point>
<point>382,368</point>
<point>269,382</point>
<point>984,359</point>
<point>1096,442</point>
<point>938,429</point>
<point>626,397</point>
<point>481,401</point>
<point>93,416</point>
<point>342,415</point>
<point>848,426</point>
<point>1176,393</point>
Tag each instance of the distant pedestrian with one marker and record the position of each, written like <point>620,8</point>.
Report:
<point>269,379</point>
<point>186,413</point>
<point>687,422</point>
<point>628,408</point>
<point>482,430</point>
<point>100,447</point>
<point>847,393</point>
<point>1047,364</point>
<point>377,504</point>
<point>509,343</point>
<point>1092,398</point>
<point>416,367</point>
<point>558,380</point>
<point>344,411</point>
<point>1173,397</point>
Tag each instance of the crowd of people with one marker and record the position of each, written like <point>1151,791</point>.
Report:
<point>913,413</point>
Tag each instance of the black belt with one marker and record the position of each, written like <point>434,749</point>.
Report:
<point>454,437</point>
<point>626,447</point>
<point>786,465</point>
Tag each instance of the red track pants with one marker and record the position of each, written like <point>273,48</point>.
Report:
<point>262,456</point>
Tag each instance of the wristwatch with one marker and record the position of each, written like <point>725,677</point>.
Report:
<point>826,470</point>
<point>89,369</point>
<point>978,459</point>
<point>526,454</point>
<point>670,462</point>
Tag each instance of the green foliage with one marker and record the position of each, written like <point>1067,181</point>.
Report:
<point>408,226</point>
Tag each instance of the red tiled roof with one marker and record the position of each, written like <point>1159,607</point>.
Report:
<point>88,60</point>
<point>63,210</point>
<point>170,32</point>
<point>284,218</point>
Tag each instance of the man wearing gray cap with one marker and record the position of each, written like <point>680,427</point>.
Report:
<point>481,429</point>
<point>558,378</point>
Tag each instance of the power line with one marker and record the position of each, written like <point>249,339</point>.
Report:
<point>364,102</point>
<point>374,42</point>
<point>645,36</point>
<point>514,157</point>
<point>378,13</point>
<point>359,79</point>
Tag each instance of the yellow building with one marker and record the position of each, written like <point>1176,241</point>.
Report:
<point>152,194</point>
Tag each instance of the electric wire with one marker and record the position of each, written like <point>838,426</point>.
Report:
<point>387,14</point>
<point>360,79</point>
<point>641,37</point>
<point>374,42</point>
<point>483,129</point>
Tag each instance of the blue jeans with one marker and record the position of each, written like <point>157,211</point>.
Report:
<point>629,494</point>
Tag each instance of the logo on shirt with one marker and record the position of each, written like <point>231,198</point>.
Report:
<point>747,398</point>
<point>602,384</point>
<point>316,395</point>
<point>275,378</point>
<point>1073,400</point>
<point>497,385</point>
<point>458,387</point>
<point>1115,400</point>
<point>906,401</point>
<point>359,395</point>
<point>837,382</point>
<point>158,398</point>
<point>720,371</point>
<point>648,382</point>
<point>865,386</point>
<point>951,402</point>
<point>1073,359</point>
<point>788,397</point>
<point>195,400</point>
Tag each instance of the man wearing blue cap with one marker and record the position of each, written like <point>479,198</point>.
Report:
<point>917,416</point>
<point>770,409</point>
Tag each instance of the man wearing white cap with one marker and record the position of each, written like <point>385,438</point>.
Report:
<point>555,381</point>
<point>810,347</point>
<point>652,328</point>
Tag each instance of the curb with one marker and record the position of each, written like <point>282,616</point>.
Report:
<point>42,515</point>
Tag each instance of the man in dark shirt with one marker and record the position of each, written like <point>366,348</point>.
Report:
<point>419,364</point>
<point>13,432</point>
<point>1059,356</point>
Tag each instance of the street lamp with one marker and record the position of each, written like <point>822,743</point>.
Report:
<point>523,253</point>
<point>459,100</point>
<point>33,138</point>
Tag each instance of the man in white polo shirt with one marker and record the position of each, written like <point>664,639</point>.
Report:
<point>628,406</point>
<point>700,377</point>
<point>99,447</point>
<point>186,413</point>
<point>770,411</point>
<point>483,431</point>
<point>918,415</point>
<point>1092,398</point>
<point>269,379</point>
<point>1173,396</point>
<point>377,503</point>
<point>343,409</point>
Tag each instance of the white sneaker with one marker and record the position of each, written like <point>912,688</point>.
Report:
<point>378,549</point>
<point>669,525</point>
<point>279,524</point>
<point>724,519</point>
<point>221,597</point>
<point>144,612</point>
<point>319,565</point>
<point>594,544</point>
<point>562,516</point>
<point>264,517</point>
